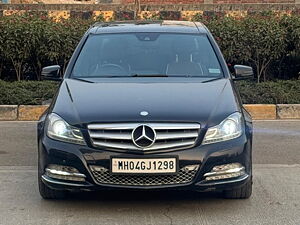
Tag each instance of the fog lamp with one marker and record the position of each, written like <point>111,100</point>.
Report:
<point>64,173</point>
<point>225,171</point>
<point>191,168</point>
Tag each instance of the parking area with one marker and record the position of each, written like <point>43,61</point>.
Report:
<point>275,199</point>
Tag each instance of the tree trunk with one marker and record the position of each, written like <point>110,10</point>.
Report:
<point>1,68</point>
<point>137,10</point>
<point>19,72</point>
<point>18,69</point>
<point>37,68</point>
<point>258,72</point>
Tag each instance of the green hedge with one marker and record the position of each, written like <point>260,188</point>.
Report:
<point>269,43</point>
<point>26,92</point>
<point>35,92</point>
<point>279,92</point>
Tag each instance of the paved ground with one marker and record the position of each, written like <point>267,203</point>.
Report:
<point>275,199</point>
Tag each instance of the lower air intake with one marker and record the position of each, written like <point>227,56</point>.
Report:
<point>184,176</point>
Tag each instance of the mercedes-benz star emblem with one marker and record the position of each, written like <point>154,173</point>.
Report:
<point>144,113</point>
<point>143,136</point>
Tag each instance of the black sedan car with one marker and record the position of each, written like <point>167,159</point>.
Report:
<point>146,105</point>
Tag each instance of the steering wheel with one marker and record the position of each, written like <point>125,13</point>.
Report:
<point>115,68</point>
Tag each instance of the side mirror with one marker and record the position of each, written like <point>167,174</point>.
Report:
<point>51,73</point>
<point>243,72</point>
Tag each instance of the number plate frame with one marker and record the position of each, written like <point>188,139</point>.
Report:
<point>145,157</point>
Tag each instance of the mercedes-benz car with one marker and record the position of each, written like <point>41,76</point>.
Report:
<point>146,105</point>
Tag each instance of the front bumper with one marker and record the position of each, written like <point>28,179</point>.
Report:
<point>206,156</point>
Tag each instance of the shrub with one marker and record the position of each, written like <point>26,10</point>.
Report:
<point>264,42</point>
<point>231,37</point>
<point>278,92</point>
<point>254,40</point>
<point>290,64</point>
<point>38,27</point>
<point>16,42</point>
<point>35,92</point>
<point>62,39</point>
<point>30,42</point>
<point>26,92</point>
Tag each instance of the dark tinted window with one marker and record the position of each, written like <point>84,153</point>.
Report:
<point>147,54</point>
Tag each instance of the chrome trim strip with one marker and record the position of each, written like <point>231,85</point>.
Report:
<point>52,181</point>
<point>130,126</point>
<point>224,172</point>
<point>63,173</point>
<point>209,183</point>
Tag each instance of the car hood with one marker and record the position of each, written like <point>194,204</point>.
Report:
<point>208,103</point>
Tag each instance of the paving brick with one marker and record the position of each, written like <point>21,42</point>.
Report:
<point>31,112</point>
<point>8,112</point>
<point>288,111</point>
<point>257,111</point>
<point>262,111</point>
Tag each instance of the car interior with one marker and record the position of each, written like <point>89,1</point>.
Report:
<point>147,54</point>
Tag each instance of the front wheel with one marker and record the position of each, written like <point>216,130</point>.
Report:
<point>45,191</point>
<point>48,193</point>
<point>242,192</point>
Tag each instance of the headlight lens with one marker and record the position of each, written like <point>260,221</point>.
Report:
<point>59,129</point>
<point>229,128</point>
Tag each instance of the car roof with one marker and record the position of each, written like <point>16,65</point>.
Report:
<point>168,26</point>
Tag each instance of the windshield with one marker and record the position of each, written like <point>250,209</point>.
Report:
<point>147,54</point>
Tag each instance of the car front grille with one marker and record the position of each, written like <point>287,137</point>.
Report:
<point>185,175</point>
<point>168,135</point>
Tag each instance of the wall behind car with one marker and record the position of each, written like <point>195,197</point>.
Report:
<point>152,1</point>
<point>202,1</point>
<point>116,8</point>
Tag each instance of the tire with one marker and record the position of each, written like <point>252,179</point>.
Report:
<point>243,192</point>
<point>45,191</point>
<point>48,193</point>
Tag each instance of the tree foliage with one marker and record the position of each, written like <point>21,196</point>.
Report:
<point>269,43</point>
<point>270,92</point>
<point>30,42</point>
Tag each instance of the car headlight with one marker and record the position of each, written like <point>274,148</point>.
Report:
<point>229,128</point>
<point>59,129</point>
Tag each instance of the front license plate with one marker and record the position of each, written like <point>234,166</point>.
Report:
<point>144,166</point>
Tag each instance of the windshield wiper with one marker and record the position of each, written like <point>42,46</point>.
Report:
<point>83,80</point>
<point>149,75</point>
<point>213,79</point>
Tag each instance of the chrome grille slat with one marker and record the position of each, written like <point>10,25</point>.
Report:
<point>115,145</point>
<point>107,135</point>
<point>168,135</point>
<point>131,126</point>
<point>117,126</point>
<point>177,135</point>
<point>170,145</point>
<point>154,147</point>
